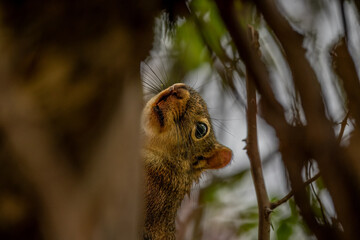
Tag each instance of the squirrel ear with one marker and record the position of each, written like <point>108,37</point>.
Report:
<point>220,158</point>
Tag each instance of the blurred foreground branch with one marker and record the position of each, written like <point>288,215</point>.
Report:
<point>70,104</point>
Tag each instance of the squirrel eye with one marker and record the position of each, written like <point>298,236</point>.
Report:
<point>201,130</point>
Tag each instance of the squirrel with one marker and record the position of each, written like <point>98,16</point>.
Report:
<point>179,145</point>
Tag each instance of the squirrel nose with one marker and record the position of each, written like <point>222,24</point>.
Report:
<point>177,86</point>
<point>174,90</point>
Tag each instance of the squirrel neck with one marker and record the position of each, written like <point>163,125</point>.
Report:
<point>167,184</point>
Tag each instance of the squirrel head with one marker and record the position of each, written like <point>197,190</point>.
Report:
<point>177,127</point>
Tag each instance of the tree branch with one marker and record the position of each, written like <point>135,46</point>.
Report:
<point>345,68</point>
<point>291,193</point>
<point>252,61</point>
<point>314,178</point>
<point>272,110</point>
<point>319,133</point>
<point>252,150</point>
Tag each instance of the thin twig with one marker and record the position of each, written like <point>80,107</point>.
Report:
<point>343,125</point>
<point>319,134</point>
<point>253,150</point>
<point>314,178</point>
<point>343,18</point>
<point>291,193</point>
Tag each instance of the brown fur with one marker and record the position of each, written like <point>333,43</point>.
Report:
<point>174,157</point>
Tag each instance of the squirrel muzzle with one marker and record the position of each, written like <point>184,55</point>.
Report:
<point>166,107</point>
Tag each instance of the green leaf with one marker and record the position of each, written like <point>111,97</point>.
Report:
<point>251,213</point>
<point>190,47</point>
<point>209,193</point>
<point>211,24</point>
<point>320,183</point>
<point>246,227</point>
<point>284,231</point>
